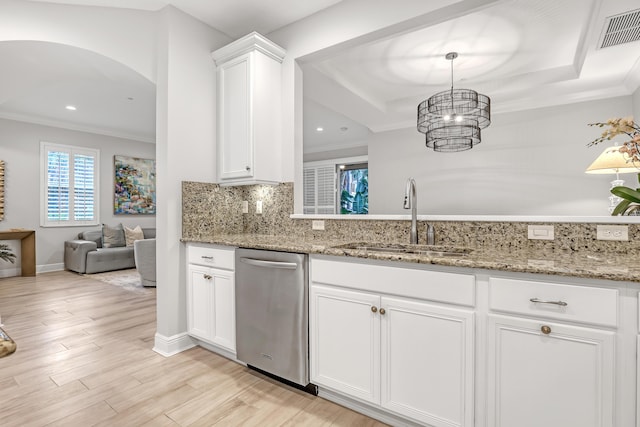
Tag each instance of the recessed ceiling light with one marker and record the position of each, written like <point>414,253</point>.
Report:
<point>319,129</point>
<point>71,107</point>
<point>344,128</point>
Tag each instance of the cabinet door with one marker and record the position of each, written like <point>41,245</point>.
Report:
<point>428,362</point>
<point>235,118</point>
<point>200,302</point>
<point>223,311</point>
<point>345,341</point>
<point>561,379</point>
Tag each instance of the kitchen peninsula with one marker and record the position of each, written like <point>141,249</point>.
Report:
<point>605,266</point>
<point>484,328</point>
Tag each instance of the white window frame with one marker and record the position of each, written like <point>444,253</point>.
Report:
<point>45,148</point>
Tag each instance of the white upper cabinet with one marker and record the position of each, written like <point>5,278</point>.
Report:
<point>249,105</point>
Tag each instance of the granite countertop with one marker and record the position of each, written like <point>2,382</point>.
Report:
<point>621,267</point>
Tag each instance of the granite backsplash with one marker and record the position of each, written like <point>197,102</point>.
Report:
<point>210,209</point>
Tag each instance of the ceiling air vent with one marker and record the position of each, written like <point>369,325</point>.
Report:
<point>620,29</point>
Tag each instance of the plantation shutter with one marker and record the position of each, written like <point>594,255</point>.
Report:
<point>83,186</point>
<point>58,177</point>
<point>309,190</point>
<point>69,185</point>
<point>319,187</point>
<point>326,188</point>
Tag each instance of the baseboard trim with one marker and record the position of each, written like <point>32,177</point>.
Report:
<point>47,268</point>
<point>218,350</point>
<point>365,409</point>
<point>10,272</point>
<point>168,346</point>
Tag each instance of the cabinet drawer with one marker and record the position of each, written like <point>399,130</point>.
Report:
<point>409,282</point>
<point>598,306</point>
<point>211,256</point>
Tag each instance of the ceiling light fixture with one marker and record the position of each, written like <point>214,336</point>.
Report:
<point>451,120</point>
<point>71,108</point>
<point>319,129</point>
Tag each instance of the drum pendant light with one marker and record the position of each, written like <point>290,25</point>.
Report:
<point>451,120</point>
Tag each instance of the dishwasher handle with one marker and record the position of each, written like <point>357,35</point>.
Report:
<point>270,264</point>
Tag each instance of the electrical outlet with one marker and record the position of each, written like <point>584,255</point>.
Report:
<point>540,232</point>
<point>245,206</point>
<point>317,225</point>
<point>259,207</point>
<point>613,232</point>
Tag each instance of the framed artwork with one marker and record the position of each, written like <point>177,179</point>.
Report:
<point>1,190</point>
<point>135,186</point>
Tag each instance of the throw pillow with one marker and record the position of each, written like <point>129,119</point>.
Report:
<point>112,237</point>
<point>133,234</point>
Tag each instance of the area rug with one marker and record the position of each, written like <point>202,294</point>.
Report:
<point>128,280</point>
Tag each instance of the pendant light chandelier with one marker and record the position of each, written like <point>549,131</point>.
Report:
<point>451,120</point>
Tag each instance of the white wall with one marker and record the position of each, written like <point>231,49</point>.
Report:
<point>529,163</point>
<point>20,149</point>
<point>92,28</point>
<point>186,151</point>
<point>172,49</point>
<point>124,35</point>
<point>347,23</point>
<point>636,105</point>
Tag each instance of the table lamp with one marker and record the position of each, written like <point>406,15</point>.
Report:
<point>612,161</point>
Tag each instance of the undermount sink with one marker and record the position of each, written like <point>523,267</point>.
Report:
<point>429,250</point>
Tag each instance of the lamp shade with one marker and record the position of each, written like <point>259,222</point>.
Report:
<point>612,161</point>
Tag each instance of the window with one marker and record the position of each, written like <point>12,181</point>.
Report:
<point>336,186</point>
<point>354,189</point>
<point>319,182</point>
<point>69,185</point>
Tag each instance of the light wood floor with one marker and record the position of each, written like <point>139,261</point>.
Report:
<point>84,358</point>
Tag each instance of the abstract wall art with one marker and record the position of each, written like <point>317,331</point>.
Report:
<point>135,186</point>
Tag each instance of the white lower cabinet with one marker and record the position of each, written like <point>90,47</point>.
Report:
<point>211,300</point>
<point>428,361</point>
<point>549,374</point>
<point>410,357</point>
<point>345,342</point>
<point>211,297</point>
<point>552,356</point>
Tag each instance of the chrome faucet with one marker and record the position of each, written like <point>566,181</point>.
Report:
<point>411,202</point>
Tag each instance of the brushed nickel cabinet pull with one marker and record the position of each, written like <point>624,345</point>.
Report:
<point>545,329</point>
<point>383,311</point>
<point>208,277</point>
<point>374,308</point>
<point>539,301</point>
<point>206,257</point>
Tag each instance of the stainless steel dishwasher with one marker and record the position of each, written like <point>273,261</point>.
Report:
<point>272,319</point>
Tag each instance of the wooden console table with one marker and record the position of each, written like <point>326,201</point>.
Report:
<point>28,248</point>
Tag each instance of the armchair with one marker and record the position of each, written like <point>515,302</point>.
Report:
<point>145,256</point>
